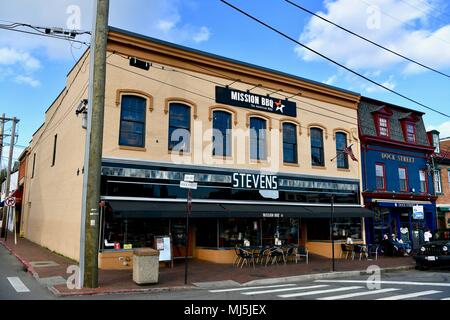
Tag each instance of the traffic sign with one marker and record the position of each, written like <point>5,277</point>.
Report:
<point>10,201</point>
<point>188,185</point>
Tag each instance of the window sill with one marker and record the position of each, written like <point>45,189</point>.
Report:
<point>319,167</point>
<point>222,157</point>
<point>290,164</point>
<point>344,169</point>
<point>253,161</point>
<point>132,148</point>
<point>180,153</point>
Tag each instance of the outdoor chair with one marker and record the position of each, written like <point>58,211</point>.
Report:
<point>291,253</point>
<point>246,257</point>
<point>275,254</point>
<point>346,249</point>
<point>237,259</point>
<point>373,250</point>
<point>302,252</point>
<point>359,249</point>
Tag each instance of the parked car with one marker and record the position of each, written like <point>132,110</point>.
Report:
<point>435,253</point>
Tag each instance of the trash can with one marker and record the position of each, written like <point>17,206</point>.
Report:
<point>145,265</point>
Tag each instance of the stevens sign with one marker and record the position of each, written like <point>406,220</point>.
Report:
<point>255,181</point>
<point>249,100</point>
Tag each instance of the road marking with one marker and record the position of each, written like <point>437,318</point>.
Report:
<point>288,289</point>
<point>250,288</point>
<point>438,284</point>
<point>446,299</point>
<point>358,294</point>
<point>317,292</point>
<point>411,295</point>
<point>17,284</point>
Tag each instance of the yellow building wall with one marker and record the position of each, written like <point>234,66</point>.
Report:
<point>52,200</point>
<point>53,196</point>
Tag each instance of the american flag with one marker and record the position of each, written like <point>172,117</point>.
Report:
<point>348,150</point>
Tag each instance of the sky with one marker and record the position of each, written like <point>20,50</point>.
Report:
<point>33,69</point>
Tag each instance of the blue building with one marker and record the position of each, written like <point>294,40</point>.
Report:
<point>396,171</point>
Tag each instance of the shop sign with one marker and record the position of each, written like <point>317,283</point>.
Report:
<point>250,100</point>
<point>188,185</point>
<point>418,212</point>
<point>272,215</point>
<point>397,157</point>
<point>255,181</point>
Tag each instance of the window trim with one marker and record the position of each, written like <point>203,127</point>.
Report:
<point>388,126</point>
<point>384,176</point>
<point>231,128</point>
<point>55,141</point>
<point>296,141</point>
<point>427,189</point>
<point>187,102</point>
<point>335,133</point>
<point>33,166</point>
<point>265,139</point>
<point>323,146</point>
<point>190,126</point>
<point>406,178</point>
<point>144,140</point>
<point>435,181</point>
<point>219,107</point>
<point>134,92</point>
<point>405,125</point>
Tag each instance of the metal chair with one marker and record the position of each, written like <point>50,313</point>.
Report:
<point>359,249</point>
<point>373,249</point>
<point>274,255</point>
<point>302,252</point>
<point>246,256</point>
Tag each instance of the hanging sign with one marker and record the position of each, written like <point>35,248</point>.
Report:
<point>418,212</point>
<point>250,100</point>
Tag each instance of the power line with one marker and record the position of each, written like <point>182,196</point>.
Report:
<point>45,35</point>
<point>333,61</point>
<point>366,39</point>
<point>423,11</point>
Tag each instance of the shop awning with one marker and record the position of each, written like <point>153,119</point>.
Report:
<point>158,209</point>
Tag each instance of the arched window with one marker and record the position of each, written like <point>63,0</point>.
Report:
<point>341,145</point>
<point>289,142</point>
<point>179,127</point>
<point>132,121</point>
<point>317,154</point>
<point>221,133</point>
<point>258,139</point>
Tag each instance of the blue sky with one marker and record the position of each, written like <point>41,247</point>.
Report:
<point>33,69</point>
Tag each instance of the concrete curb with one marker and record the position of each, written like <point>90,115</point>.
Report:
<point>318,276</point>
<point>26,265</point>
<point>58,293</point>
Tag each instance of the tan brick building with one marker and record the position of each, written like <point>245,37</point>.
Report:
<point>261,144</point>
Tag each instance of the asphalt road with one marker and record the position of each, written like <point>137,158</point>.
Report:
<point>404,285</point>
<point>17,284</point>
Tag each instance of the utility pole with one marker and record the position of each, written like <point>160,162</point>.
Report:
<point>333,267</point>
<point>2,130</point>
<point>8,176</point>
<point>93,152</point>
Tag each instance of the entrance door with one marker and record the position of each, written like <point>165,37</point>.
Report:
<point>178,231</point>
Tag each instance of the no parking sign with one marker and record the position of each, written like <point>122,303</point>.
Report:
<point>10,201</point>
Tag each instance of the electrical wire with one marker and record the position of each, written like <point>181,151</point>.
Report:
<point>333,61</point>
<point>366,39</point>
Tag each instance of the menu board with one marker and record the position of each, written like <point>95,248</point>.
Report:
<point>163,245</point>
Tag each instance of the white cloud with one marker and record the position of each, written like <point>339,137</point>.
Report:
<point>202,35</point>
<point>331,80</point>
<point>392,23</point>
<point>27,80</point>
<point>389,83</point>
<point>165,25</point>
<point>10,56</point>
<point>443,128</point>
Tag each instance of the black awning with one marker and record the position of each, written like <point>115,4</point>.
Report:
<point>142,209</point>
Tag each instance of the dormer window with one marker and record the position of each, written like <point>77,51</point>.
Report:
<point>409,127</point>
<point>410,133</point>
<point>383,125</point>
<point>382,119</point>
<point>436,142</point>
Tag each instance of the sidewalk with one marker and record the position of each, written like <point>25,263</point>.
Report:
<point>200,272</point>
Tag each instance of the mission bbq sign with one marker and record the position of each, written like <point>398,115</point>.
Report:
<point>250,100</point>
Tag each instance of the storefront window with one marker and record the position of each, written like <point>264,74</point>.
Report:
<point>319,229</point>
<point>233,231</point>
<point>125,231</point>
<point>206,232</point>
<point>285,230</point>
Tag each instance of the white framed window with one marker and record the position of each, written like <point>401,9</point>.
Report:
<point>423,181</point>
<point>436,143</point>
<point>437,181</point>
<point>384,127</point>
